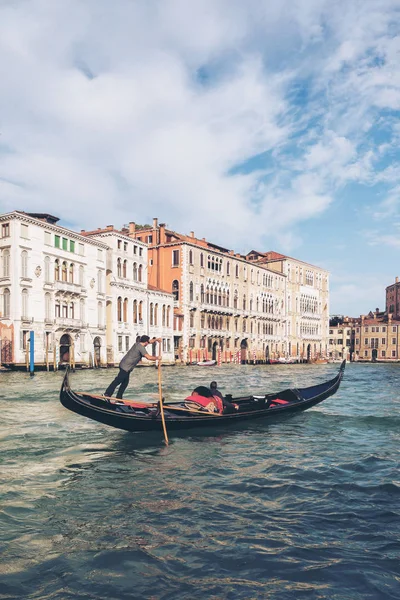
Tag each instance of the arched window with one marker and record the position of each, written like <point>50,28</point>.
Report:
<point>119,309</point>
<point>156,314</point>
<point>168,315</point>
<point>227,298</point>
<point>72,310</point>
<point>140,273</point>
<point>125,310</point>
<point>6,263</point>
<point>175,290</point>
<point>71,273</point>
<point>237,271</point>
<point>135,311</point>
<point>56,270</point>
<point>235,299</point>
<point>228,268</point>
<point>244,301</point>
<point>6,303</point>
<point>64,271</point>
<point>202,260</point>
<point>82,309</point>
<point>191,298</point>
<point>119,272</point>
<point>81,276</point>
<point>135,272</point>
<point>124,269</point>
<point>47,269</point>
<point>47,306</point>
<point>151,315</point>
<point>100,314</point>
<point>163,315</point>
<point>190,257</point>
<point>140,311</point>
<point>24,264</point>
<point>202,293</point>
<point>24,295</point>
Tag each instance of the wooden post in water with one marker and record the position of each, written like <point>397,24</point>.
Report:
<point>31,353</point>
<point>47,351</point>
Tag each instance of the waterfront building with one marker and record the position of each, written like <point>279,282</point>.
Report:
<point>393,299</point>
<point>133,307</point>
<point>83,295</point>
<point>52,282</point>
<point>307,302</point>
<point>224,308</point>
<point>342,335</point>
<point>378,337</point>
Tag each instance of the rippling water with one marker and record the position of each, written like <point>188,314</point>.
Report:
<point>303,508</point>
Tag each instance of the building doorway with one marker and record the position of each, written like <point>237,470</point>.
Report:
<point>65,346</point>
<point>243,351</point>
<point>214,350</point>
<point>309,353</point>
<point>97,351</point>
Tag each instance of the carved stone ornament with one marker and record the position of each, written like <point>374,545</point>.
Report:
<point>92,282</point>
<point>38,271</point>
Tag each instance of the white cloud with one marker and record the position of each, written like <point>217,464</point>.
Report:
<point>144,109</point>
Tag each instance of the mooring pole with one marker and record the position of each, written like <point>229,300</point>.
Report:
<point>32,353</point>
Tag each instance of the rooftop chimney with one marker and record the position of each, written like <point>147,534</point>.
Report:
<point>192,234</point>
<point>83,230</point>
<point>132,228</point>
<point>396,280</point>
<point>110,227</point>
<point>155,223</point>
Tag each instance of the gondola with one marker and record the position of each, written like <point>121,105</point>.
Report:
<point>142,416</point>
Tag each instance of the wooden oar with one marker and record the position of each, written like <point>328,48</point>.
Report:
<point>161,402</point>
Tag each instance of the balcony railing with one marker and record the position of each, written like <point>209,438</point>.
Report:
<point>68,322</point>
<point>66,286</point>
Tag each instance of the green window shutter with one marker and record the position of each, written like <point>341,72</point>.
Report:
<point>57,241</point>
<point>65,244</point>
<point>72,246</point>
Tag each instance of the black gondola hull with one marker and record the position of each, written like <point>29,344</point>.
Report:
<point>178,419</point>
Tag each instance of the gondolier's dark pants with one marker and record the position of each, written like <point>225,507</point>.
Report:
<point>122,379</point>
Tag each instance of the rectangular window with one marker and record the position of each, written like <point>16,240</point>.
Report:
<point>175,258</point>
<point>394,329</point>
<point>191,342</point>
<point>71,246</point>
<point>366,341</point>
<point>64,244</point>
<point>81,249</point>
<point>366,329</point>
<point>149,239</point>
<point>125,246</point>
<point>140,251</point>
<point>365,352</point>
<point>394,341</point>
<point>383,354</point>
<point>383,341</point>
<point>5,230</point>
<point>356,341</point>
<point>168,345</point>
<point>57,241</point>
<point>24,231</point>
<point>383,329</point>
<point>47,238</point>
<point>134,249</point>
<point>99,254</point>
<point>127,342</point>
<point>119,244</point>
<point>120,343</point>
<point>393,353</point>
<point>24,339</point>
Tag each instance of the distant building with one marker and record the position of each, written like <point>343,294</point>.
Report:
<point>342,335</point>
<point>223,306</point>
<point>307,302</point>
<point>378,337</point>
<point>393,299</point>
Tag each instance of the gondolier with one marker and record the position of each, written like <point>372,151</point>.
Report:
<point>128,363</point>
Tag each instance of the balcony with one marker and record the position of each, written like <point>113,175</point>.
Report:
<point>66,286</point>
<point>71,323</point>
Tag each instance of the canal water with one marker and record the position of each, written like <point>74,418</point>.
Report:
<point>308,507</point>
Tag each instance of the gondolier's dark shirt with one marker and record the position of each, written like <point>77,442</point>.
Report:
<point>132,357</point>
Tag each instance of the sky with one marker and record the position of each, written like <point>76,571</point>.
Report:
<point>258,125</point>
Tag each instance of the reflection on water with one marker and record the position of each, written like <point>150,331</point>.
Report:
<point>307,507</point>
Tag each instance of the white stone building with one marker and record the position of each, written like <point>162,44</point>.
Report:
<point>133,308</point>
<point>66,288</point>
